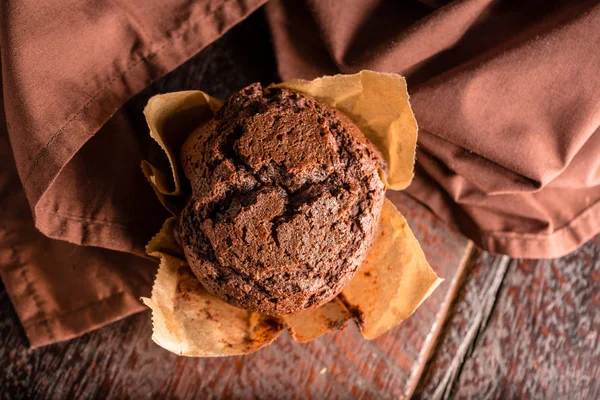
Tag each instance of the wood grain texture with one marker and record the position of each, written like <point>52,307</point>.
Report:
<point>121,361</point>
<point>522,329</point>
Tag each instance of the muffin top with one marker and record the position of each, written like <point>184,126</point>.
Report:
<point>286,197</point>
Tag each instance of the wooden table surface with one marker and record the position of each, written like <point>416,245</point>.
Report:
<point>496,328</point>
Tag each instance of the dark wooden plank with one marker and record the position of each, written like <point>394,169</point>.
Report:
<point>522,329</point>
<point>120,360</point>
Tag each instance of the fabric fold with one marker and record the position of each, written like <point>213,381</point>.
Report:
<point>506,100</point>
<point>60,88</point>
<point>71,158</point>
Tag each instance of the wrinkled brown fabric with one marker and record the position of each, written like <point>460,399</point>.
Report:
<point>507,99</point>
<point>506,95</point>
<point>67,67</point>
<point>60,289</point>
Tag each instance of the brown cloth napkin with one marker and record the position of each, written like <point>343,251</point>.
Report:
<point>506,95</point>
<point>67,68</point>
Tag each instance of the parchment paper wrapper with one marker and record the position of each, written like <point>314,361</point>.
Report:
<point>191,322</point>
<point>393,281</point>
<point>171,118</point>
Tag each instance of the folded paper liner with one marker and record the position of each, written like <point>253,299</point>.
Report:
<point>393,281</point>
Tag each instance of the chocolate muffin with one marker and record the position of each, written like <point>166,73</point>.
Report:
<point>286,197</point>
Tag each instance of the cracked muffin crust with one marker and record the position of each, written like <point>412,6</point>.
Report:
<point>286,197</point>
